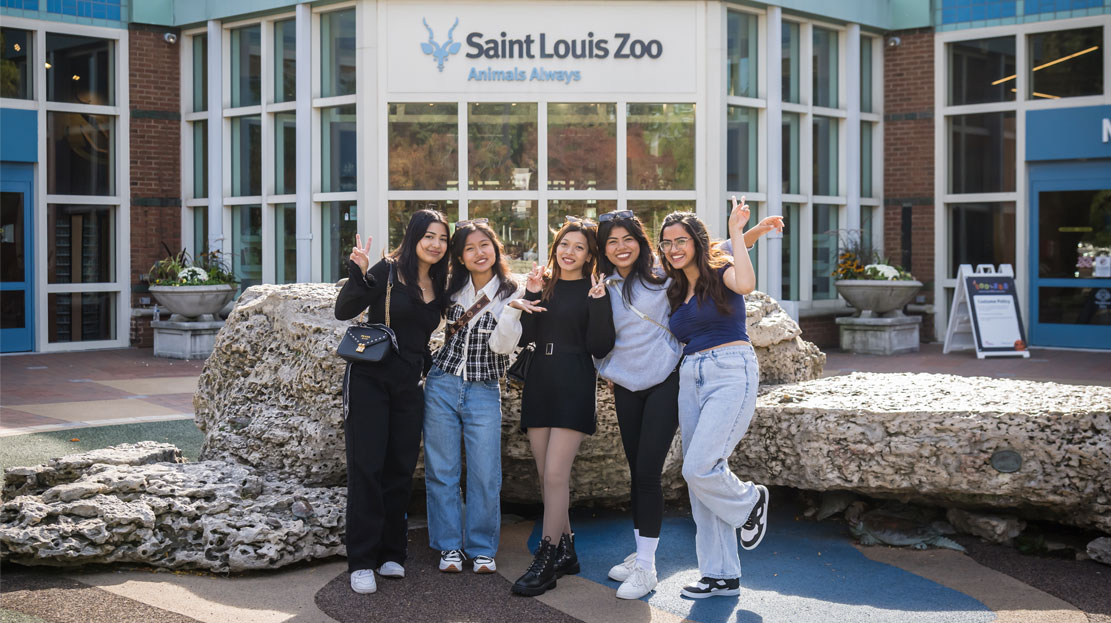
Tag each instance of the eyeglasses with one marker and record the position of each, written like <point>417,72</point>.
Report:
<point>678,243</point>
<point>473,221</point>
<point>581,221</point>
<point>618,214</point>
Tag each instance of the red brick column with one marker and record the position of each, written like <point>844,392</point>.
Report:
<point>155,109</point>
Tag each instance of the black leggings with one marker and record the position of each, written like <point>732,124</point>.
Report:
<point>648,419</point>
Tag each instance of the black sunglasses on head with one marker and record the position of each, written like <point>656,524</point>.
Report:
<point>616,214</point>
<point>582,221</point>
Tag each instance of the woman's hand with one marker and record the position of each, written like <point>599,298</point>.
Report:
<point>526,305</point>
<point>534,281</point>
<point>769,224</point>
<point>738,217</point>
<point>360,254</point>
<point>597,287</point>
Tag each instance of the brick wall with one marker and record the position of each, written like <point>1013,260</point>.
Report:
<point>908,153</point>
<point>155,109</point>
<point>821,330</point>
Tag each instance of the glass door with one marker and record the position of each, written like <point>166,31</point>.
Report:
<point>1071,255</point>
<point>16,300</point>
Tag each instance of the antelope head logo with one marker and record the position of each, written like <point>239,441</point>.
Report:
<point>438,51</point>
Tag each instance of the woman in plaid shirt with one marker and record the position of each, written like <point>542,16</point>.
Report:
<point>462,396</point>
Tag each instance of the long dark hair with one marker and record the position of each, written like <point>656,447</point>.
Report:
<point>459,272</point>
<point>404,256</point>
<point>591,234</point>
<point>708,258</point>
<point>643,268</point>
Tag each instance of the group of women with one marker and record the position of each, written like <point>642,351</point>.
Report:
<point>668,333</point>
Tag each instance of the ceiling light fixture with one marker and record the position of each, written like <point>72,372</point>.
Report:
<point>48,65</point>
<point>15,46</point>
<point>1054,62</point>
<point>76,77</point>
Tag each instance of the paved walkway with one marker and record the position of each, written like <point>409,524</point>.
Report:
<point>803,571</point>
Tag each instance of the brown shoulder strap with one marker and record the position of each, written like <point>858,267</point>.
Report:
<point>478,306</point>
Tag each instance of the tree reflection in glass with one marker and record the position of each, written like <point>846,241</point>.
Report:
<point>424,146</point>
<point>660,146</point>
<point>502,146</point>
<point>582,146</point>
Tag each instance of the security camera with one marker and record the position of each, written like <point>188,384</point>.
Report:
<point>170,38</point>
<point>894,42</point>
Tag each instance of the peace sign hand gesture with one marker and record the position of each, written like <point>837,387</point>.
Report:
<point>534,281</point>
<point>739,216</point>
<point>360,254</point>
<point>597,287</point>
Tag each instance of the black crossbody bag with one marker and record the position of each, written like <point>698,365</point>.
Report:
<point>369,342</point>
<point>517,372</point>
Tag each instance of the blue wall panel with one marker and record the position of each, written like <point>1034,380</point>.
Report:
<point>1068,133</point>
<point>20,131</point>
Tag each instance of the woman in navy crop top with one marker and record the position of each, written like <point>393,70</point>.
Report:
<point>718,378</point>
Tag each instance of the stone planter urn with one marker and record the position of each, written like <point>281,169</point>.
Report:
<point>873,297</point>
<point>190,333</point>
<point>191,302</point>
<point>881,328</point>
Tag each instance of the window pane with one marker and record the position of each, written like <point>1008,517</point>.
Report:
<point>424,146</point>
<point>825,251</point>
<point>791,252</point>
<point>981,233</point>
<point>1082,306</point>
<point>200,73</point>
<point>200,159</point>
<point>246,156</point>
<point>337,53</point>
<point>13,249</point>
<point>285,153</point>
<point>200,230</point>
<point>982,153</point>
<point>285,65</point>
<point>338,149</point>
<point>653,213</point>
<point>866,159</point>
<point>246,244</point>
<point>1074,227</point>
<point>660,146</point>
<point>246,66</point>
<point>400,211</point>
<point>502,148</point>
<point>791,143</point>
<point>81,317</point>
<point>582,208</point>
<point>81,244</point>
<point>825,156</point>
<point>1066,63</point>
<point>741,158</point>
<point>339,222</point>
<point>516,224</point>
<point>285,243</point>
<point>867,228</point>
<point>866,74</point>
<point>825,68</point>
<point>982,70</point>
<point>790,40</point>
<point>80,154</point>
<point>80,70</point>
<point>582,146</point>
<point>741,54</point>
<point>14,66</point>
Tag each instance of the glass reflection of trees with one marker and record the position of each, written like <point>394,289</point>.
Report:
<point>502,146</point>
<point>424,146</point>
<point>582,146</point>
<point>660,146</point>
<point>558,210</point>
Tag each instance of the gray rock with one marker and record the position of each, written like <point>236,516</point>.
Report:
<point>993,528</point>
<point>1099,550</point>
<point>37,479</point>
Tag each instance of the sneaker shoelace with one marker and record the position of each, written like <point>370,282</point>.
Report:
<point>452,555</point>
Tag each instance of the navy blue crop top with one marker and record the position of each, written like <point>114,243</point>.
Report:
<point>700,325</point>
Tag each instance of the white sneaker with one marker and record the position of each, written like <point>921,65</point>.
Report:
<point>451,561</point>
<point>391,569</point>
<point>362,581</point>
<point>620,572</point>
<point>640,582</point>
<point>484,564</point>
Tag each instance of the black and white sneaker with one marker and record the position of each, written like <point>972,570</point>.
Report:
<point>752,532</point>
<point>712,587</point>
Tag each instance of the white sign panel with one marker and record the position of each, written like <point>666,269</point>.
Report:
<point>551,47</point>
<point>996,320</point>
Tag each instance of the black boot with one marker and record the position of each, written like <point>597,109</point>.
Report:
<point>566,561</point>
<point>541,575</point>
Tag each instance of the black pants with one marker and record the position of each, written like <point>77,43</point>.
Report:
<point>384,407</point>
<point>648,420</point>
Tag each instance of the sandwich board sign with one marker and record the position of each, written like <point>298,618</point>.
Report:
<point>985,315</point>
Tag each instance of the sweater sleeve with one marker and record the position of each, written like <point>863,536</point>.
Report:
<point>508,330</point>
<point>600,334</point>
<point>361,290</point>
<point>528,321</point>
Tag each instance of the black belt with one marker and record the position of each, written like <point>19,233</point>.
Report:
<point>551,348</point>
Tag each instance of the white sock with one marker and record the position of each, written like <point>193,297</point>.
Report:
<point>646,552</point>
<point>636,535</point>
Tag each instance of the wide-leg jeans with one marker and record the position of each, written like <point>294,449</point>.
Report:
<point>469,412</point>
<point>717,397</point>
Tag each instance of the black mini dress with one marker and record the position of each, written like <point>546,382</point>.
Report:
<point>560,387</point>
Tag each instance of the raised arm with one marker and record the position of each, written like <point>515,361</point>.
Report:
<point>740,277</point>
<point>600,334</point>
<point>361,289</point>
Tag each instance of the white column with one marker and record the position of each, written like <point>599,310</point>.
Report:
<point>773,242</point>
<point>852,130</point>
<point>303,52</point>
<point>215,136</point>
<point>710,124</point>
<point>373,211</point>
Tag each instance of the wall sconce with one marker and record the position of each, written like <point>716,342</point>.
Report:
<point>894,42</point>
<point>170,38</point>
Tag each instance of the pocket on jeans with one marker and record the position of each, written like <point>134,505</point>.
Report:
<point>729,362</point>
<point>435,372</point>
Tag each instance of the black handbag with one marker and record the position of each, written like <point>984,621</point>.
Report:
<point>369,342</point>
<point>517,372</point>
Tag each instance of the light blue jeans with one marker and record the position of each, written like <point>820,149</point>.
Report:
<point>717,397</point>
<point>455,409</point>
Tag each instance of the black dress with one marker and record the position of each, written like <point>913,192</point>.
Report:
<point>560,388</point>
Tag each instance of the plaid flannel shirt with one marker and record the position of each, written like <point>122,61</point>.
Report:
<point>468,353</point>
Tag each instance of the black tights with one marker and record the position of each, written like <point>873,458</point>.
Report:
<point>648,419</point>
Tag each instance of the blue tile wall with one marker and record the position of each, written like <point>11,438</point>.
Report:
<point>26,5</point>
<point>99,9</point>
<point>956,11</point>
<point>1050,6</point>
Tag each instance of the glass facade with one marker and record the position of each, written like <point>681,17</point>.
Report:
<point>1066,63</point>
<point>246,66</point>
<point>339,149</point>
<point>246,156</point>
<point>81,150</point>
<point>285,62</point>
<point>200,73</point>
<point>339,224</point>
<point>15,63</point>
<point>741,154</point>
<point>246,244</point>
<point>660,146</point>
<point>80,70</point>
<point>981,70</point>
<point>866,74</point>
<point>826,53</point>
<point>825,156</point>
<point>285,153</point>
<point>981,233</point>
<point>582,146</point>
<point>200,159</point>
<point>742,58</point>
<point>502,146</point>
<point>791,143</point>
<point>424,146</point>
<point>285,243</point>
<point>81,244</point>
<point>337,53</point>
<point>824,248</point>
<point>982,152</point>
<point>790,65</point>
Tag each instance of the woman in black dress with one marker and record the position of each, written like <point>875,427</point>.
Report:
<point>383,401</point>
<point>569,319</point>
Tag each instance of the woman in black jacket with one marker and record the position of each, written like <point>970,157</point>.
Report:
<point>383,403</point>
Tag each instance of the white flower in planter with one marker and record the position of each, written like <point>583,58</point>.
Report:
<point>888,272</point>
<point>191,274</point>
